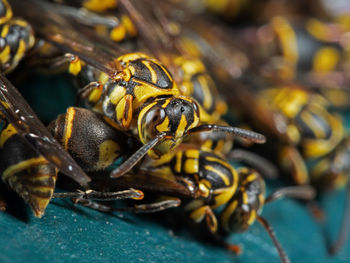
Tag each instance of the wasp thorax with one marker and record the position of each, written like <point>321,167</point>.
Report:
<point>243,208</point>
<point>173,115</point>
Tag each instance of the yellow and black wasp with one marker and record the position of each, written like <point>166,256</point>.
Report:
<point>22,126</point>
<point>30,156</point>
<point>135,91</point>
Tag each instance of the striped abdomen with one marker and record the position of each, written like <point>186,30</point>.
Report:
<point>25,171</point>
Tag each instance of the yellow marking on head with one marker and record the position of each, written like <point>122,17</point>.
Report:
<point>140,127</point>
<point>191,166</point>
<point>68,127</point>
<point>117,94</point>
<point>287,37</point>
<point>181,127</point>
<point>219,173</point>
<point>124,108</point>
<point>129,26</point>
<point>117,33</point>
<point>164,126</point>
<point>15,168</point>
<point>109,151</point>
<point>5,54</point>
<point>252,217</point>
<point>226,214</point>
<point>6,134</point>
<point>325,60</point>
<point>178,162</point>
<point>99,6</point>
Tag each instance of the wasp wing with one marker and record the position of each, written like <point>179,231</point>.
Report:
<point>27,124</point>
<point>50,24</point>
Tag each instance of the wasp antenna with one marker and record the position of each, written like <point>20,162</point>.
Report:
<point>246,134</point>
<point>283,256</point>
<point>344,229</point>
<point>137,156</point>
<point>303,192</point>
<point>265,167</point>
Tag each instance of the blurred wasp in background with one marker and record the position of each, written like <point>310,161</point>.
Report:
<point>309,140</point>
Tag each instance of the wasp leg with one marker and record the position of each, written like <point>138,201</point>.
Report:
<point>231,247</point>
<point>293,161</point>
<point>137,156</point>
<point>205,211</point>
<point>102,196</point>
<point>92,92</point>
<point>269,230</point>
<point>144,208</point>
<point>268,169</point>
<point>344,229</point>
<point>67,62</point>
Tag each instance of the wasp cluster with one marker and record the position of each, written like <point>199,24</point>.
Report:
<point>157,80</point>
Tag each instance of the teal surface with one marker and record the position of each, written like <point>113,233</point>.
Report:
<point>69,233</point>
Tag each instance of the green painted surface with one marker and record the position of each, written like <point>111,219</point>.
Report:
<point>69,233</point>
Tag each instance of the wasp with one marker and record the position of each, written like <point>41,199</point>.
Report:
<point>22,127</point>
<point>33,177</point>
<point>208,184</point>
<point>136,91</point>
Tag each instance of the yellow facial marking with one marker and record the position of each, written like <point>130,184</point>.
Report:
<point>164,126</point>
<point>181,127</point>
<point>117,94</point>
